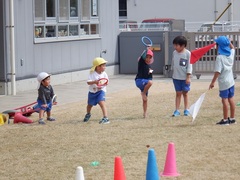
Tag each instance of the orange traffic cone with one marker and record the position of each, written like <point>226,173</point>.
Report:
<point>170,168</point>
<point>18,117</point>
<point>118,169</point>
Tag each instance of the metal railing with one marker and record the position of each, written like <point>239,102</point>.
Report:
<point>206,63</point>
<point>144,26</point>
<point>196,40</point>
<point>224,26</point>
<point>189,26</point>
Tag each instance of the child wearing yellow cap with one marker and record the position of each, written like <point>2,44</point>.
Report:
<point>96,94</point>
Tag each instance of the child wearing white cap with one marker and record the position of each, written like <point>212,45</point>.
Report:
<point>223,72</point>
<point>96,94</point>
<point>45,95</point>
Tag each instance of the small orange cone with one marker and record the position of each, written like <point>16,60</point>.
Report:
<point>170,168</point>
<point>118,169</point>
<point>18,117</point>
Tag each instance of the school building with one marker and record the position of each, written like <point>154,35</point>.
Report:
<point>60,37</point>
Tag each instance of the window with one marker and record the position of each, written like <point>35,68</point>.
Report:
<point>51,8</point>
<point>73,30</point>
<point>63,10</point>
<point>73,8</point>
<point>39,10</point>
<point>122,8</point>
<point>57,20</point>
<point>94,8</point>
<point>85,10</point>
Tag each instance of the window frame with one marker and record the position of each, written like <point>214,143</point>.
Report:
<point>41,24</point>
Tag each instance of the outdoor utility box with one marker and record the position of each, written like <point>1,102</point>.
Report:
<point>131,47</point>
<point>177,25</point>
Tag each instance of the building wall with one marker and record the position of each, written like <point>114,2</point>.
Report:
<point>59,58</point>
<point>191,11</point>
<point>2,63</point>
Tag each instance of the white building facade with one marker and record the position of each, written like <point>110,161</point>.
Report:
<point>61,37</point>
<point>189,10</point>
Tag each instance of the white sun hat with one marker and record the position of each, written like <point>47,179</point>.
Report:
<point>41,76</point>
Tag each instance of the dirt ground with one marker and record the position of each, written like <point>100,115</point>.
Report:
<point>204,150</point>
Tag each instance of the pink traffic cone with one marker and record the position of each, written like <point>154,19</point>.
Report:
<point>170,168</point>
<point>18,117</point>
<point>118,169</point>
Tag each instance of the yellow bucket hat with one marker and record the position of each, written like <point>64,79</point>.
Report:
<point>96,62</point>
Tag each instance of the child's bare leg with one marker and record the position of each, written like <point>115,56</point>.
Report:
<point>225,107</point>
<point>178,99</point>
<point>144,96</point>
<point>41,112</point>
<point>48,114</point>
<point>185,98</point>
<point>145,90</point>
<point>144,108</point>
<point>88,115</point>
<point>89,108</point>
<point>103,107</point>
<point>49,118</point>
<point>232,107</point>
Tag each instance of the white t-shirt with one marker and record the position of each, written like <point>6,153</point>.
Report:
<point>95,76</point>
<point>224,65</point>
<point>181,64</point>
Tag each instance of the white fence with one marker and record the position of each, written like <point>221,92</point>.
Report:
<point>189,26</point>
<point>206,63</point>
<point>211,27</point>
<point>196,39</point>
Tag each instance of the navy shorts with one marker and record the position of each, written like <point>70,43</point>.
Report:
<point>95,98</point>
<point>40,103</point>
<point>228,93</point>
<point>180,85</point>
<point>141,83</point>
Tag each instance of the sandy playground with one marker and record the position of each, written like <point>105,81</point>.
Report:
<point>54,151</point>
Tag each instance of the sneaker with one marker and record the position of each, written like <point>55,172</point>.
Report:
<point>176,113</point>
<point>104,120</point>
<point>186,112</point>
<point>41,121</point>
<point>87,117</point>
<point>222,122</point>
<point>232,121</point>
<point>51,119</point>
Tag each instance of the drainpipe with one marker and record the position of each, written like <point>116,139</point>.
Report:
<point>230,12</point>
<point>12,47</point>
<point>215,9</point>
